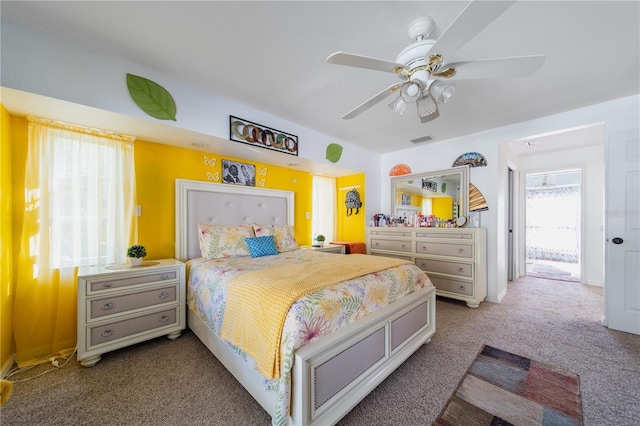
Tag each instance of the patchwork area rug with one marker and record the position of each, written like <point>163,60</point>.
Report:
<point>501,388</point>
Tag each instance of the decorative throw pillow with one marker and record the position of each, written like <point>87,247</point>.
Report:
<point>224,241</point>
<point>283,235</point>
<point>262,246</point>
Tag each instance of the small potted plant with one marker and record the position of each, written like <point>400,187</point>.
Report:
<point>320,240</point>
<point>135,253</point>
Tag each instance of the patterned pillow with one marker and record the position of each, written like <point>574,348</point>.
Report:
<point>262,246</point>
<point>284,236</point>
<point>224,241</point>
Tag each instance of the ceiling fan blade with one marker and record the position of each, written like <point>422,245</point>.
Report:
<point>517,66</point>
<point>372,101</point>
<point>349,59</point>
<point>473,19</point>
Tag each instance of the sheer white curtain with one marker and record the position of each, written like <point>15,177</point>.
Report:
<point>79,203</point>
<point>324,207</point>
<point>553,219</point>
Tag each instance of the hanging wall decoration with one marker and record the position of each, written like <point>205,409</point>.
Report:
<point>352,201</point>
<point>152,98</point>
<point>399,169</point>
<point>244,131</point>
<point>334,152</point>
<point>477,203</point>
<point>473,159</point>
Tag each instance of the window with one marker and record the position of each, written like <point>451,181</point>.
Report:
<point>324,207</point>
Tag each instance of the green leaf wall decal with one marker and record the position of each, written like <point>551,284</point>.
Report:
<point>334,152</point>
<point>151,97</point>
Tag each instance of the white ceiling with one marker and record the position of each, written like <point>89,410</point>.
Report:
<point>272,56</point>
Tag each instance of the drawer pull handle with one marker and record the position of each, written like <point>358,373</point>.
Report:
<point>108,306</point>
<point>424,248</point>
<point>461,287</point>
<point>164,318</point>
<point>163,295</point>
<point>404,246</point>
<point>460,269</point>
<point>460,250</point>
<point>164,276</point>
<point>377,244</point>
<point>460,236</point>
<point>108,285</point>
<point>108,333</point>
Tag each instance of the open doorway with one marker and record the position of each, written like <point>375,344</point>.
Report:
<point>553,224</point>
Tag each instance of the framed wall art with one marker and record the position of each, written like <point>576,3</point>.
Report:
<point>238,173</point>
<point>244,131</point>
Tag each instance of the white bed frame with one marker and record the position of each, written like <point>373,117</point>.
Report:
<point>335,372</point>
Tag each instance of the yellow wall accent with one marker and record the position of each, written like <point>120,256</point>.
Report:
<point>157,168</point>
<point>350,228</point>
<point>443,207</point>
<point>6,243</point>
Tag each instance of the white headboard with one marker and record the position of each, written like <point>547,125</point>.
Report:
<point>225,204</point>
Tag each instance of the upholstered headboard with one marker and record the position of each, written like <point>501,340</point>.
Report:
<point>225,204</point>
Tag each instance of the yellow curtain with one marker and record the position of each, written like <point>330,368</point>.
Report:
<point>65,207</point>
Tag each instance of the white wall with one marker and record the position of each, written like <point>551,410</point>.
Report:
<point>39,63</point>
<point>617,115</point>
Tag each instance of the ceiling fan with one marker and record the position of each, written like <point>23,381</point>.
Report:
<point>424,73</point>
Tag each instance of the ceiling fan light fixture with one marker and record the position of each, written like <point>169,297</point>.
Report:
<point>426,106</point>
<point>411,91</point>
<point>442,92</point>
<point>398,105</point>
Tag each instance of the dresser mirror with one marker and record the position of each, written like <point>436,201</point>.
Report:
<point>441,193</point>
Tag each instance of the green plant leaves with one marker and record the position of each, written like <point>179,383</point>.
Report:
<point>334,152</point>
<point>151,97</point>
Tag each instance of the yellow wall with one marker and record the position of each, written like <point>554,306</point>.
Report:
<point>350,228</point>
<point>6,243</point>
<point>442,207</point>
<point>157,168</point>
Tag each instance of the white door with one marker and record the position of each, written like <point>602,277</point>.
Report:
<point>622,216</point>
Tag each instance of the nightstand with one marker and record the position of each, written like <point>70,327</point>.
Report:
<point>119,305</point>
<point>331,248</point>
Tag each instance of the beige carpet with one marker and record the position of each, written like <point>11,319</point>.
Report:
<point>163,382</point>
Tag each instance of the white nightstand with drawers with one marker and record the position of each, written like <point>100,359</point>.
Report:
<point>119,305</point>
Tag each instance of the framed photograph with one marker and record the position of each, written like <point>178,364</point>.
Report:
<point>474,220</point>
<point>430,185</point>
<point>238,173</point>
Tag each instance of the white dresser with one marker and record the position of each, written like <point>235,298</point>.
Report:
<point>120,305</point>
<point>453,258</point>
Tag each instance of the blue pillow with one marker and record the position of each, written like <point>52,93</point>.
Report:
<point>262,246</point>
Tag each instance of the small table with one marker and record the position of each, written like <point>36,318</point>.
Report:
<point>330,248</point>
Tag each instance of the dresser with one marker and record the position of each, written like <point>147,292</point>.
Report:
<point>119,305</point>
<point>453,258</point>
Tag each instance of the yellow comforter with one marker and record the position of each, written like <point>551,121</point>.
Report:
<point>258,301</point>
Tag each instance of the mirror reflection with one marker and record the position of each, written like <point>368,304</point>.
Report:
<point>442,194</point>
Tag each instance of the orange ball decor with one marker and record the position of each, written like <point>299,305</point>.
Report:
<point>399,169</point>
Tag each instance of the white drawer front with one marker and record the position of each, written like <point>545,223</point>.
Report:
<point>117,330</point>
<point>128,281</point>
<point>396,256</point>
<point>447,235</point>
<point>380,244</point>
<point>451,268</point>
<point>128,302</point>
<point>445,249</point>
<point>452,285</point>
<point>389,233</point>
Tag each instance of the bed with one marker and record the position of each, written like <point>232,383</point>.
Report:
<point>320,379</point>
